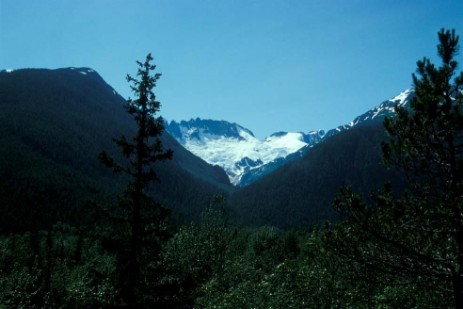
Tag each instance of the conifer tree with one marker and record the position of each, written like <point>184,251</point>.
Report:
<point>418,237</point>
<point>142,215</point>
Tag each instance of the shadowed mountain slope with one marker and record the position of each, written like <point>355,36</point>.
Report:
<point>301,192</point>
<point>53,124</point>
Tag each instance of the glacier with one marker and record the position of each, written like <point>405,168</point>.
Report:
<point>236,149</point>
<point>245,157</point>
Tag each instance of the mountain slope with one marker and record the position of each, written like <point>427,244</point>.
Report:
<point>377,113</point>
<point>246,158</point>
<point>302,187</point>
<point>372,116</point>
<point>53,123</point>
<point>301,193</point>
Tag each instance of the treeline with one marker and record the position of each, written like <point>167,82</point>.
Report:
<point>211,264</point>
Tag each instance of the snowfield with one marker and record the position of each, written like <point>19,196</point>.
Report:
<point>236,155</point>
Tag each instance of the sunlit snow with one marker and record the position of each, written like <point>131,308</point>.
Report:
<point>402,97</point>
<point>84,71</point>
<point>227,152</point>
<point>399,99</point>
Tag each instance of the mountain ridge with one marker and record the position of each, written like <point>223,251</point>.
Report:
<point>53,125</point>
<point>245,158</point>
<point>234,147</point>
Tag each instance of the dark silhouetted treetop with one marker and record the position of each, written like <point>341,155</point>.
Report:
<point>145,217</point>
<point>417,237</point>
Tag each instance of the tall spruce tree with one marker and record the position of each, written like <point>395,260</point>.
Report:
<point>417,237</point>
<point>143,217</point>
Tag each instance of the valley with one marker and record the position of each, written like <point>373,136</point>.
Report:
<point>245,158</point>
<point>107,205</point>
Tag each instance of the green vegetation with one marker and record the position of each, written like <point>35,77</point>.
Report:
<point>398,248</point>
<point>417,237</point>
<point>206,265</point>
<point>143,219</point>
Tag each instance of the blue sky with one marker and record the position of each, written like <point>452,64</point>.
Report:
<point>283,65</point>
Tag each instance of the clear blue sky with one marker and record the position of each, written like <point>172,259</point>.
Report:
<point>283,65</point>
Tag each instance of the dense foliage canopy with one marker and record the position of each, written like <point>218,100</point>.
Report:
<point>417,237</point>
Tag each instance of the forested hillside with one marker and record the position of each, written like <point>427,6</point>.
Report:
<point>98,212</point>
<point>301,193</point>
<point>53,124</point>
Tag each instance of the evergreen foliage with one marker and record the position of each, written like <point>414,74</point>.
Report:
<point>61,267</point>
<point>203,266</point>
<point>418,237</point>
<point>144,218</point>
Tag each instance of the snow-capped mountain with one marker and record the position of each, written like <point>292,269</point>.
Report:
<point>234,147</point>
<point>378,113</point>
<point>245,158</point>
